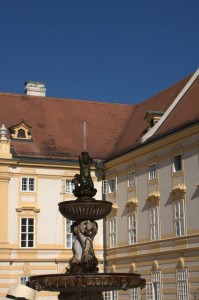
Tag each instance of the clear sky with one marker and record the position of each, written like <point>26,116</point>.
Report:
<point>121,51</point>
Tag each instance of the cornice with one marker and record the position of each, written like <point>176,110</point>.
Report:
<point>151,146</point>
<point>28,208</point>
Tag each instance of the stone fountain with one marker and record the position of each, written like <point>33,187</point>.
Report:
<point>82,280</point>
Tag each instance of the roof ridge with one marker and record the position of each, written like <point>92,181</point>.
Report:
<point>165,90</point>
<point>175,102</point>
<point>68,99</point>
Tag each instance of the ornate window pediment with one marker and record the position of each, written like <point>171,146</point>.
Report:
<point>114,211</point>
<point>153,198</point>
<point>132,204</point>
<point>20,131</point>
<point>178,192</point>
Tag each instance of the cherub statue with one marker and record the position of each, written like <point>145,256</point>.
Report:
<point>84,258</point>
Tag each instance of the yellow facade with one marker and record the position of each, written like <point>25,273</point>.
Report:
<point>168,254</point>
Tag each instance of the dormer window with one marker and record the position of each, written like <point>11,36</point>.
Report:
<point>20,131</point>
<point>153,117</point>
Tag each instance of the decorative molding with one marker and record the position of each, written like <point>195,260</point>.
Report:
<point>153,198</point>
<point>180,264</point>
<point>178,192</point>
<point>155,266</point>
<point>30,208</point>
<point>132,268</point>
<point>25,131</point>
<point>113,269</point>
<point>131,205</point>
<point>114,211</point>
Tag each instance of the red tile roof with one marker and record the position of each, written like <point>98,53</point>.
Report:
<point>57,124</point>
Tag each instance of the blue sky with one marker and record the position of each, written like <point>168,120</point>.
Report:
<point>121,51</point>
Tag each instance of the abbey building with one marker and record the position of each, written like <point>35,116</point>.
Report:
<point>146,162</point>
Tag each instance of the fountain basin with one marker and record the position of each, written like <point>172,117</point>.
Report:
<point>86,282</point>
<point>78,210</point>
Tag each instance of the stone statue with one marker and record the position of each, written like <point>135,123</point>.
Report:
<point>84,187</point>
<point>83,253</point>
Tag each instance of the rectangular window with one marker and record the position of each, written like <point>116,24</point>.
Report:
<point>109,186</point>
<point>134,294</point>
<point>132,228</point>
<point>112,185</point>
<point>112,295</point>
<point>154,223</point>
<point>28,184</point>
<point>27,232</point>
<point>131,179</point>
<point>149,291</point>
<point>112,232</point>
<point>153,172</point>
<point>156,280</point>
<point>179,218</point>
<point>183,285</point>
<point>177,163</point>
<point>69,186</point>
<point>69,235</point>
<point>23,280</point>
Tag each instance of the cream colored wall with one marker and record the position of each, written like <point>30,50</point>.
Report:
<point>169,249</point>
<point>49,254</point>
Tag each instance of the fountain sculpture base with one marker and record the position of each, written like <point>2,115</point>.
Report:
<point>81,295</point>
<point>89,286</point>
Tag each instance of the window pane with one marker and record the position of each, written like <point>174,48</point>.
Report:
<point>30,244</point>
<point>152,171</point>
<point>112,185</point>
<point>23,237</point>
<point>177,163</point>
<point>24,184</point>
<point>31,221</point>
<point>131,179</point>
<point>154,226</point>
<point>23,228</point>
<point>69,186</point>
<point>183,285</point>
<point>23,244</point>
<point>179,218</point>
<point>31,184</point>
<point>27,232</point>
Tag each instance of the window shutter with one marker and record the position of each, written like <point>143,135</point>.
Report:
<point>104,187</point>
<point>115,183</point>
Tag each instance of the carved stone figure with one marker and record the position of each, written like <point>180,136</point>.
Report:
<point>83,253</point>
<point>84,186</point>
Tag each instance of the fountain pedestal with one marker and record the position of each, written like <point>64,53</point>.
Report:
<point>82,280</point>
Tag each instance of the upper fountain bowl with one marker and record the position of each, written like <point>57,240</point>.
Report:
<point>78,210</point>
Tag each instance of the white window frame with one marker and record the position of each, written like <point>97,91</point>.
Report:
<point>111,295</point>
<point>149,291</point>
<point>131,179</point>
<point>69,236</point>
<point>154,223</point>
<point>177,164</point>
<point>26,233</point>
<point>157,288</point>
<point>182,284</point>
<point>69,186</point>
<point>132,224</point>
<point>179,217</point>
<point>109,186</point>
<point>153,173</point>
<point>112,232</point>
<point>29,186</point>
<point>134,294</point>
<point>23,279</point>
